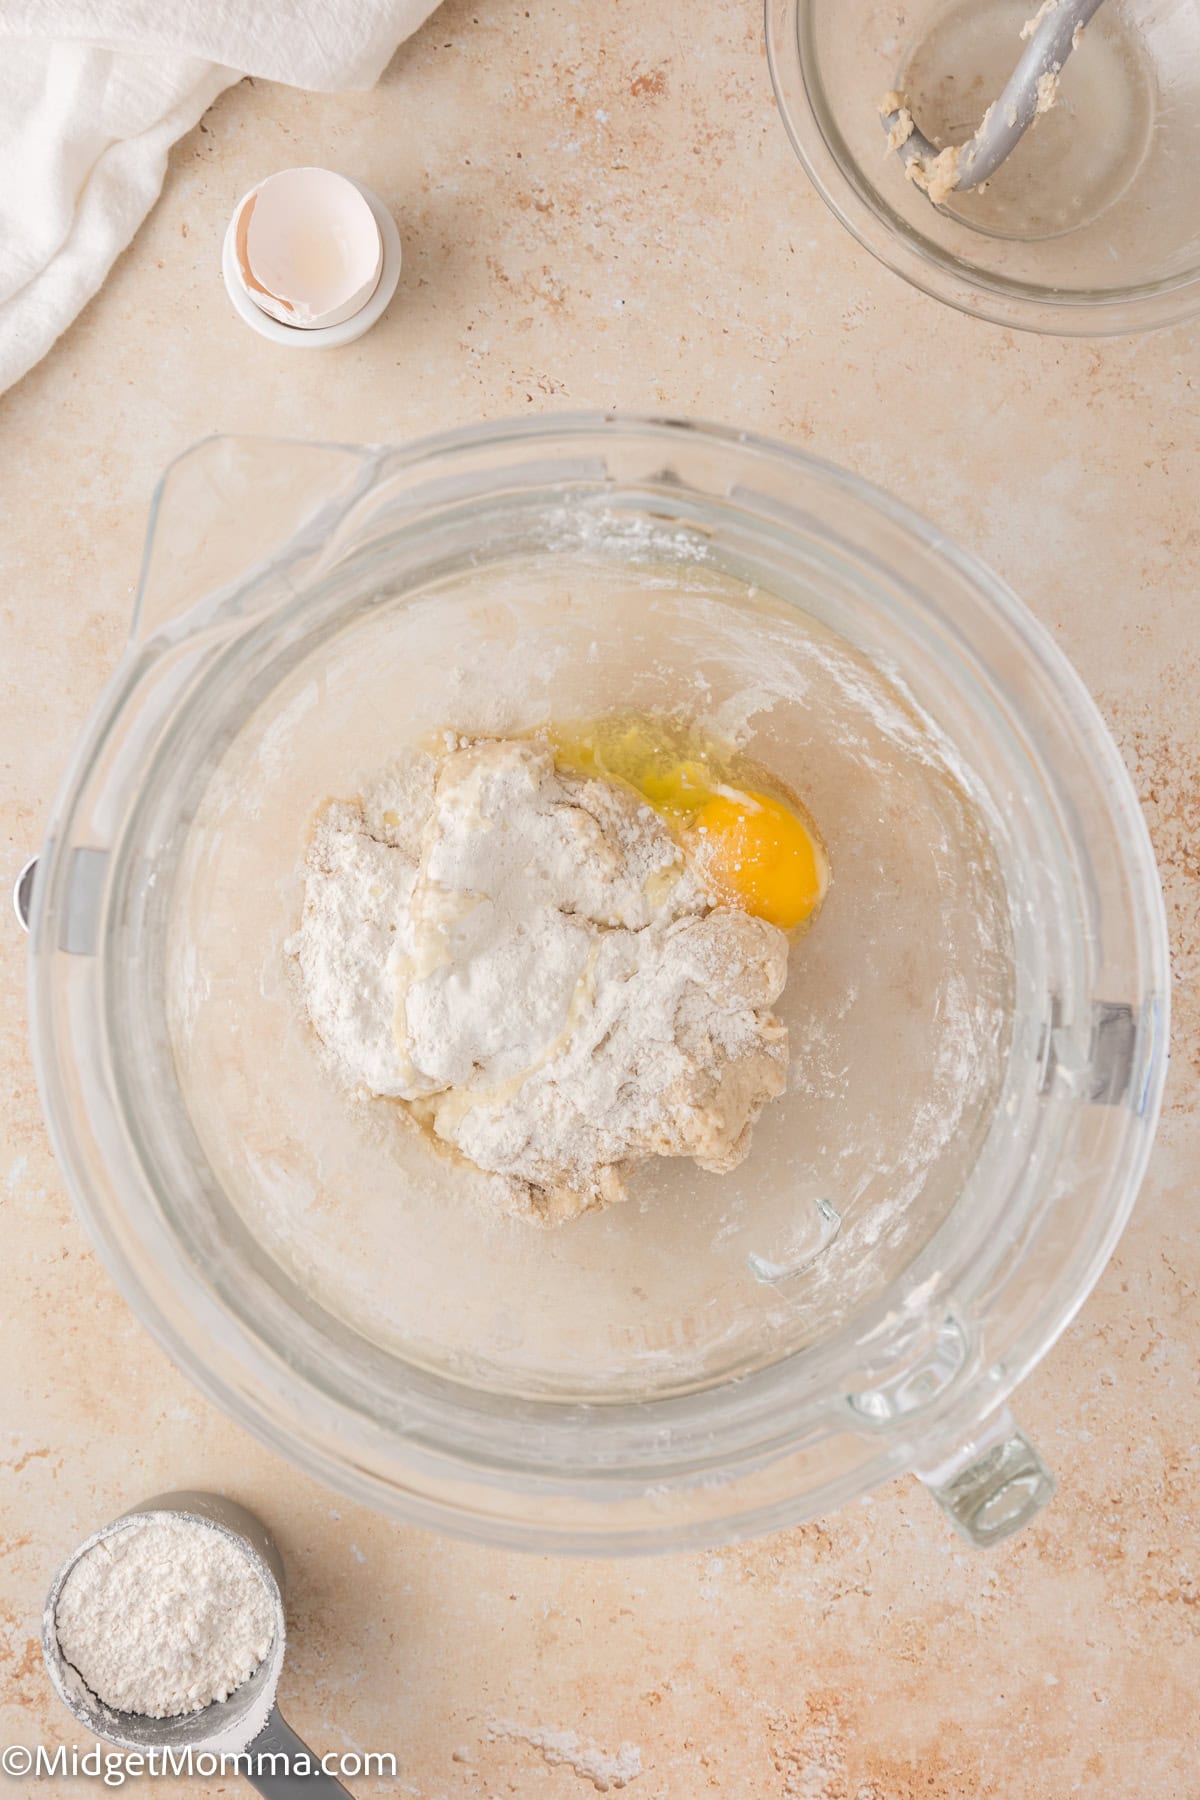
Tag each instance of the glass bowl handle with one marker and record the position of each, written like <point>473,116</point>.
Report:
<point>232,512</point>
<point>992,1485</point>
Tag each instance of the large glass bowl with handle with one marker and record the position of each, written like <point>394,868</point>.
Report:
<point>978,1018</point>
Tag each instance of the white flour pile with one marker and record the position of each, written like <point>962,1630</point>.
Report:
<point>524,957</point>
<point>163,1617</point>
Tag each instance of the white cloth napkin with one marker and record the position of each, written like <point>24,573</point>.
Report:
<point>93,93</point>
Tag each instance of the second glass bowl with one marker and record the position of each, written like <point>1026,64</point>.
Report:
<point>1091,227</point>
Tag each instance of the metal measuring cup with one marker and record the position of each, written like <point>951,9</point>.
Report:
<point>248,1722</point>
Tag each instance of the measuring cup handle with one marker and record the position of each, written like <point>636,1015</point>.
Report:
<point>279,1779</point>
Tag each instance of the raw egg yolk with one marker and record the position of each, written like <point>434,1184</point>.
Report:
<point>755,853</point>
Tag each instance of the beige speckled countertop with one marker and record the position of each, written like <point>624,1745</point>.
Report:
<point>600,209</point>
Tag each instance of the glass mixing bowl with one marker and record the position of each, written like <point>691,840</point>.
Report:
<point>978,1019</point>
<point>1091,226</point>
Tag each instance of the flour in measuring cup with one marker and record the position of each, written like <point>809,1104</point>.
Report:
<point>524,958</point>
<point>163,1616</point>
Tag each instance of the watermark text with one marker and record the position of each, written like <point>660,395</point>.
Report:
<point>35,1762</point>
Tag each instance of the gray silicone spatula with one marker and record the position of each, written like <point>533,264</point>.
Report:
<point>1053,33</point>
<point>248,1724</point>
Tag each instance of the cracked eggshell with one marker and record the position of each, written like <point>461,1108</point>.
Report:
<point>308,249</point>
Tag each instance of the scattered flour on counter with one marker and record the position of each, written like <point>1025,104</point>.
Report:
<point>163,1617</point>
<point>525,959</point>
<point>566,1749</point>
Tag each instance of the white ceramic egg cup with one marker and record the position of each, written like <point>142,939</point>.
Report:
<point>321,337</point>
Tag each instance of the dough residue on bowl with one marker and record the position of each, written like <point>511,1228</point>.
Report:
<point>524,958</point>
